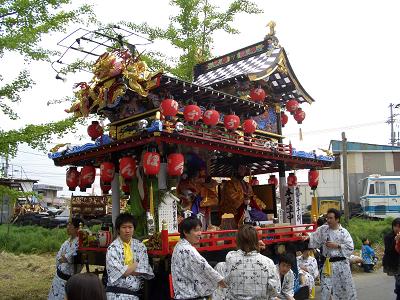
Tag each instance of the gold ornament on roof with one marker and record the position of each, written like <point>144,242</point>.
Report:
<point>271,25</point>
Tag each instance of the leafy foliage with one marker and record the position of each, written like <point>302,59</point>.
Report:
<point>23,23</point>
<point>191,30</point>
<point>36,136</point>
<point>373,230</point>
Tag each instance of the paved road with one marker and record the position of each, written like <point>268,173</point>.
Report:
<point>371,286</point>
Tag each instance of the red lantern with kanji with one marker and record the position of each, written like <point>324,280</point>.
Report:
<point>211,117</point>
<point>257,94</point>
<point>107,172</point>
<point>313,177</point>
<point>284,119</point>
<point>169,107</point>
<point>175,163</point>
<point>127,168</point>
<point>292,180</point>
<point>231,122</point>
<point>192,113</point>
<point>95,130</point>
<point>292,105</point>
<point>299,115</point>
<point>105,188</point>
<point>273,180</point>
<point>125,187</point>
<point>151,163</point>
<point>87,176</point>
<point>249,126</point>
<point>72,178</point>
<point>254,181</point>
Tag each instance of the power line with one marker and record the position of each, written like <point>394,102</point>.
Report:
<point>339,128</point>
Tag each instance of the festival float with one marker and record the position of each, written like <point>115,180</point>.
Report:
<point>179,148</point>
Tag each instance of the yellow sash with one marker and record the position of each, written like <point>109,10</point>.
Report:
<point>327,271</point>
<point>128,253</point>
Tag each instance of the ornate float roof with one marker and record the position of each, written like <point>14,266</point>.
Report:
<point>265,61</point>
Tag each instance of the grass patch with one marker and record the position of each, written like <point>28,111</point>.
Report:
<point>26,276</point>
<point>370,229</point>
<point>31,239</point>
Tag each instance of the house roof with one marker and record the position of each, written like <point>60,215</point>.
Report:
<point>362,147</point>
<point>256,62</point>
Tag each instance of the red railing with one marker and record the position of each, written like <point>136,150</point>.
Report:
<point>226,239</point>
<point>219,134</point>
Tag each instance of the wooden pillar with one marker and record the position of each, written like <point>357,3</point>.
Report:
<point>115,196</point>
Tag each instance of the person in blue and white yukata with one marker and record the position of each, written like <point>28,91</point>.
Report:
<point>127,262</point>
<point>192,277</point>
<point>64,261</point>
<point>337,246</point>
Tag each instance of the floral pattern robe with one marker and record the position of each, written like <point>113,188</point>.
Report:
<point>249,276</point>
<point>340,284</point>
<point>311,264</point>
<point>68,249</point>
<point>116,268</point>
<point>192,276</point>
<point>286,285</point>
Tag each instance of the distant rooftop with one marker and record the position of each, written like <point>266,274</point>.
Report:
<point>336,147</point>
<point>38,187</point>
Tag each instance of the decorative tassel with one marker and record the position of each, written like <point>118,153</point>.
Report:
<point>300,134</point>
<point>151,198</point>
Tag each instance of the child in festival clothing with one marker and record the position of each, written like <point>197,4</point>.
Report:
<point>368,255</point>
<point>308,269</point>
<point>127,262</point>
<point>64,263</point>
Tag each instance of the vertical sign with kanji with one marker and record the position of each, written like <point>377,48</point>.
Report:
<point>292,208</point>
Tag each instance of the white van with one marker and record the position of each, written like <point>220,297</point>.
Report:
<point>381,196</point>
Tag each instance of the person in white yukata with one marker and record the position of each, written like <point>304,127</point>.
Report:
<point>308,269</point>
<point>127,263</point>
<point>64,261</point>
<point>248,274</point>
<point>286,277</point>
<point>192,276</point>
<point>337,246</point>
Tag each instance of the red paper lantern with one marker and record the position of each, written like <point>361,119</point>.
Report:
<point>88,174</point>
<point>254,181</point>
<point>211,117</point>
<point>125,187</point>
<point>169,107</point>
<point>249,126</point>
<point>105,187</point>
<point>299,115</point>
<point>107,172</point>
<point>82,184</point>
<point>175,163</point>
<point>151,163</point>
<point>313,177</point>
<point>192,113</point>
<point>292,105</point>
<point>72,178</point>
<point>231,122</point>
<point>127,168</point>
<point>291,180</point>
<point>284,119</point>
<point>273,180</point>
<point>95,130</point>
<point>257,94</point>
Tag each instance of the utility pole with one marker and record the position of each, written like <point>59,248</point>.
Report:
<point>391,121</point>
<point>345,177</point>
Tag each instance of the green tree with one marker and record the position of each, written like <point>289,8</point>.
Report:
<point>191,30</point>
<point>23,24</point>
